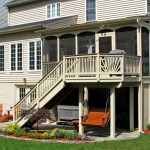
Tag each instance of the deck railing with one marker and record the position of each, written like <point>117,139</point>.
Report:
<point>100,65</point>
<point>77,68</point>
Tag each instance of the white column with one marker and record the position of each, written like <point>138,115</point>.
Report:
<point>86,98</point>
<point>140,107</point>
<point>112,113</point>
<point>58,49</point>
<point>131,109</point>
<point>81,128</point>
<point>76,44</point>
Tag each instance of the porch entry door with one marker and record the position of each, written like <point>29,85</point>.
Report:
<point>105,42</point>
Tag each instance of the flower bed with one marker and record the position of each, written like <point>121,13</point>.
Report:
<point>56,135</point>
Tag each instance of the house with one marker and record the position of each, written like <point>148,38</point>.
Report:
<point>58,50</point>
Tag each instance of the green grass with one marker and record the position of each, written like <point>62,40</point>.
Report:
<point>141,143</point>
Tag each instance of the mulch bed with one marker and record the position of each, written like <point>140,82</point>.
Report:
<point>147,131</point>
<point>61,140</point>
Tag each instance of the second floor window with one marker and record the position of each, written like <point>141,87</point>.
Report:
<point>53,10</point>
<point>35,55</point>
<point>16,57</point>
<point>1,58</point>
<point>90,10</point>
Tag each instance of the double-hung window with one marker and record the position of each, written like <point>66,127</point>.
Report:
<point>1,58</point>
<point>35,55</point>
<point>53,10</point>
<point>16,57</point>
<point>90,10</point>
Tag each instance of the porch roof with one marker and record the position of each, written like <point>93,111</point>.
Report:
<point>95,24</point>
<point>53,23</point>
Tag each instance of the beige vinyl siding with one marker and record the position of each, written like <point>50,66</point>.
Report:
<point>74,7</point>
<point>115,9</point>
<point>37,11</point>
<point>7,94</point>
<point>106,10</point>
<point>13,77</point>
<point>28,13</point>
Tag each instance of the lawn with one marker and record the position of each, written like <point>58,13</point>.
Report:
<point>141,143</point>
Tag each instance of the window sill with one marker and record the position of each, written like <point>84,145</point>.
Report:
<point>16,71</point>
<point>31,71</point>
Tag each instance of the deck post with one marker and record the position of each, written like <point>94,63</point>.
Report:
<point>131,109</point>
<point>140,108</point>
<point>81,128</point>
<point>86,98</point>
<point>112,113</point>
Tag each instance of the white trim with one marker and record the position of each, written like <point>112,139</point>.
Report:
<point>51,10</point>
<point>35,55</point>
<point>95,12</point>
<point>111,34</point>
<point>16,52</point>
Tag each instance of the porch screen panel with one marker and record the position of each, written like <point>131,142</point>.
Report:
<point>105,44</point>
<point>145,51</point>
<point>86,43</point>
<point>67,45</point>
<point>50,49</point>
<point>126,39</point>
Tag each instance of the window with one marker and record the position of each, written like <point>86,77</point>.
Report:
<point>1,58</point>
<point>35,55</point>
<point>148,5</point>
<point>53,10</point>
<point>90,10</point>
<point>22,92</point>
<point>16,57</point>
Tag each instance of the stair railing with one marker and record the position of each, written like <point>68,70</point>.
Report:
<point>32,98</point>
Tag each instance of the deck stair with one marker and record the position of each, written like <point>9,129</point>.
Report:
<point>76,69</point>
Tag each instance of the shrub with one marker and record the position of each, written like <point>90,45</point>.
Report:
<point>27,129</point>
<point>34,135</point>
<point>20,132</point>
<point>56,133</point>
<point>1,131</point>
<point>45,135</point>
<point>10,129</point>
<point>148,126</point>
<point>72,136</point>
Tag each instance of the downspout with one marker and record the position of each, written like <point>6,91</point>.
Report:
<point>140,54</point>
